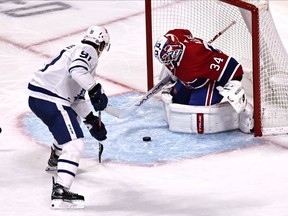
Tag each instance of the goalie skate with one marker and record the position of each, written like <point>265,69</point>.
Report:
<point>64,199</point>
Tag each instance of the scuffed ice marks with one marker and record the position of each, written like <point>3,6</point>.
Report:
<point>125,137</point>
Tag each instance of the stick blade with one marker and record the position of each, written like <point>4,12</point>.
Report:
<point>101,148</point>
<point>129,110</point>
<point>121,113</point>
<point>113,111</point>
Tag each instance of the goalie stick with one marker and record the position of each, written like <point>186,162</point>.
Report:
<point>221,32</point>
<point>126,112</point>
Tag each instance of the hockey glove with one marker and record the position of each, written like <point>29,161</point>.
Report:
<point>96,127</point>
<point>98,98</point>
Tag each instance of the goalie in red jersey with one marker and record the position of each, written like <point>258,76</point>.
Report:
<point>205,78</point>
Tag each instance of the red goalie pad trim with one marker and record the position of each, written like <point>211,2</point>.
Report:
<point>200,123</point>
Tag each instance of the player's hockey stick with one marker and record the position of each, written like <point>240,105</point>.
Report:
<point>126,112</point>
<point>101,147</point>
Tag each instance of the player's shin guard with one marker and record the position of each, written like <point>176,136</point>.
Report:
<point>68,162</point>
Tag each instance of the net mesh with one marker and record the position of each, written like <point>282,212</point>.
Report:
<point>205,19</point>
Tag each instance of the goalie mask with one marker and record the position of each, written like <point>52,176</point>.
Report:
<point>99,36</point>
<point>168,50</point>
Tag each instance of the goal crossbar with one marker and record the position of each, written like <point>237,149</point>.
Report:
<point>267,71</point>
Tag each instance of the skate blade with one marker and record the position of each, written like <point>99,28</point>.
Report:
<point>51,169</point>
<point>61,204</point>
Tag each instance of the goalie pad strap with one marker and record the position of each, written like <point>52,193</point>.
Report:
<point>200,123</point>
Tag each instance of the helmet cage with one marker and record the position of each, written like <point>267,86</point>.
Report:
<point>168,50</point>
<point>170,53</point>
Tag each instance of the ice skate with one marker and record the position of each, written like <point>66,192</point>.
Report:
<point>64,199</point>
<point>52,162</point>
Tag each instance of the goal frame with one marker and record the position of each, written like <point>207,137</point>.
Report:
<point>255,55</point>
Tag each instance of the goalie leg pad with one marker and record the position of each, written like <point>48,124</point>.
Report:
<point>199,119</point>
<point>166,100</point>
<point>246,120</point>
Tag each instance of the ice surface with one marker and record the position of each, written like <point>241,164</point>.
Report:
<point>215,175</point>
<point>125,144</point>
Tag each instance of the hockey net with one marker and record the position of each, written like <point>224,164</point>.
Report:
<point>253,41</point>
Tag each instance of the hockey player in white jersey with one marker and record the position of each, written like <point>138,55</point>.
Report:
<point>57,97</point>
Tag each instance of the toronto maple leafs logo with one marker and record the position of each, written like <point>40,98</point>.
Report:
<point>81,95</point>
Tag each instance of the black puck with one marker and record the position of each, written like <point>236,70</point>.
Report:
<point>146,138</point>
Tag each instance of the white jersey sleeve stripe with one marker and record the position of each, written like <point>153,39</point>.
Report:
<point>77,66</point>
<point>78,59</point>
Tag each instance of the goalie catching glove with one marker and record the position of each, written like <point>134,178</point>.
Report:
<point>96,127</point>
<point>234,94</point>
<point>98,98</point>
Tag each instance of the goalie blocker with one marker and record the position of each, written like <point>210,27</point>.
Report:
<point>206,119</point>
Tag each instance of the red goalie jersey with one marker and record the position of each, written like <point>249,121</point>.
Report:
<point>196,63</point>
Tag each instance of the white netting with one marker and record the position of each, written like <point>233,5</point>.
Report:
<point>205,18</point>
<point>273,77</point>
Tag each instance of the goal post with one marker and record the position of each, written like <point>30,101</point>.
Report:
<point>149,44</point>
<point>253,41</point>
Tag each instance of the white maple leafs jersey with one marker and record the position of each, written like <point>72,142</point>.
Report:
<point>65,79</point>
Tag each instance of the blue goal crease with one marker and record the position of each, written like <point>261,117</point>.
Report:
<point>125,136</point>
